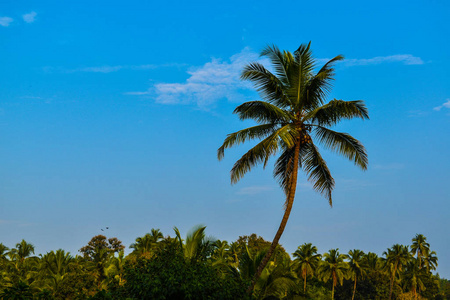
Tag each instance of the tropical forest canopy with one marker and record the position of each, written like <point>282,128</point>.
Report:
<point>200,267</point>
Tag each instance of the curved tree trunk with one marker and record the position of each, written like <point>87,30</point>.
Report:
<point>392,283</point>
<point>287,212</point>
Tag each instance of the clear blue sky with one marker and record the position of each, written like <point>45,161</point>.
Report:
<point>111,114</point>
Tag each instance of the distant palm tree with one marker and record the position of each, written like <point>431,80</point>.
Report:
<point>414,276</point>
<point>143,246</point>
<point>420,247</point>
<point>357,268</point>
<point>307,261</point>
<point>396,258</point>
<point>430,261</point>
<point>291,114</point>
<point>55,266</point>
<point>197,246</point>
<point>372,261</point>
<point>333,267</point>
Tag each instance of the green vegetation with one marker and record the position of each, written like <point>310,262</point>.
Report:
<point>197,267</point>
<point>292,119</point>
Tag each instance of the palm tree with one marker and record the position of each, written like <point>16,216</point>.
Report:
<point>396,258</point>
<point>197,246</point>
<point>291,113</point>
<point>414,276</point>
<point>144,245</point>
<point>420,247</point>
<point>307,261</point>
<point>430,261</point>
<point>356,267</point>
<point>334,267</point>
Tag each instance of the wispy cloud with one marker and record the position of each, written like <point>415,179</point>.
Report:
<point>5,21</point>
<point>29,18</point>
<point>443,105</point>
<point>254,190</point>
<point>215,80</point>
<point>108,68</point>
<point>406,59</point>
<point>391,166</point>
<point>219,79</point>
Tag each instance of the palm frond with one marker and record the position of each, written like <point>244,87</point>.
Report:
<point>232,139</point>
<point>261,152</point>
<point>318,173</point>
<point>344,144</point>
<point>280,61</point>
<point>267,84</point>
<point>262,112</point>
<point>336,110</point>
<point>319,86</point>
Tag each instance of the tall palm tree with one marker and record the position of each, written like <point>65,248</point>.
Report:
<point>291,114</point>
<point>333,267</point>
<point>420,247</point>
<point>307,261</point>
<point>357,268</point>
<point>396,258</point>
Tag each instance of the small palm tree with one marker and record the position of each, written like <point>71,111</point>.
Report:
<point>197,246</point>
<point>396,258</point>
<point>357,268</point>
<point>333,267</point>
<point>307,261</point>
<point>292,118</point>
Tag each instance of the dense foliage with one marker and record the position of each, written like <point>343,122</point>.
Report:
<point>198,267</point>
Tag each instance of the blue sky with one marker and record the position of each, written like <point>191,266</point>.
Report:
<point>111,114</point>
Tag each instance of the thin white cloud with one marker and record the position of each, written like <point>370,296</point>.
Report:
<point>219,79</point>
<point>108,68</point>
<point>254,190</point>
<point>392,166</point>
<point>215,80</point>
<point>5,21</point>
<point>406,59</point>
<point>444,105</point>
<point>29,18</point>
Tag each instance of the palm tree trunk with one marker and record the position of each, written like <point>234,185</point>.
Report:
<point>287,212</point>
<point>304,285</point>
<point>392,283</point>
<point>332,292</point>
<point>354,290</point>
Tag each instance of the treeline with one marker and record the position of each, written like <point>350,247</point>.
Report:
<point>198,267</point>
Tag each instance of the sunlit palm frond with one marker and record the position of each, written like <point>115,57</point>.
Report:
<point>344,144</point>
<point>261,152</point>
<point>236,138</point>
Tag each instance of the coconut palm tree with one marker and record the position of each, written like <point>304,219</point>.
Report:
<point>414,276</point>
<point>396,258</point>
<point>197,246</point>
<point>292,118</point>
<point>430,261</point>
<point>144,245</point>
<point>357,269</point>
<point>420,247</point>
<point>307,261</point>
<point>333,267</point>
